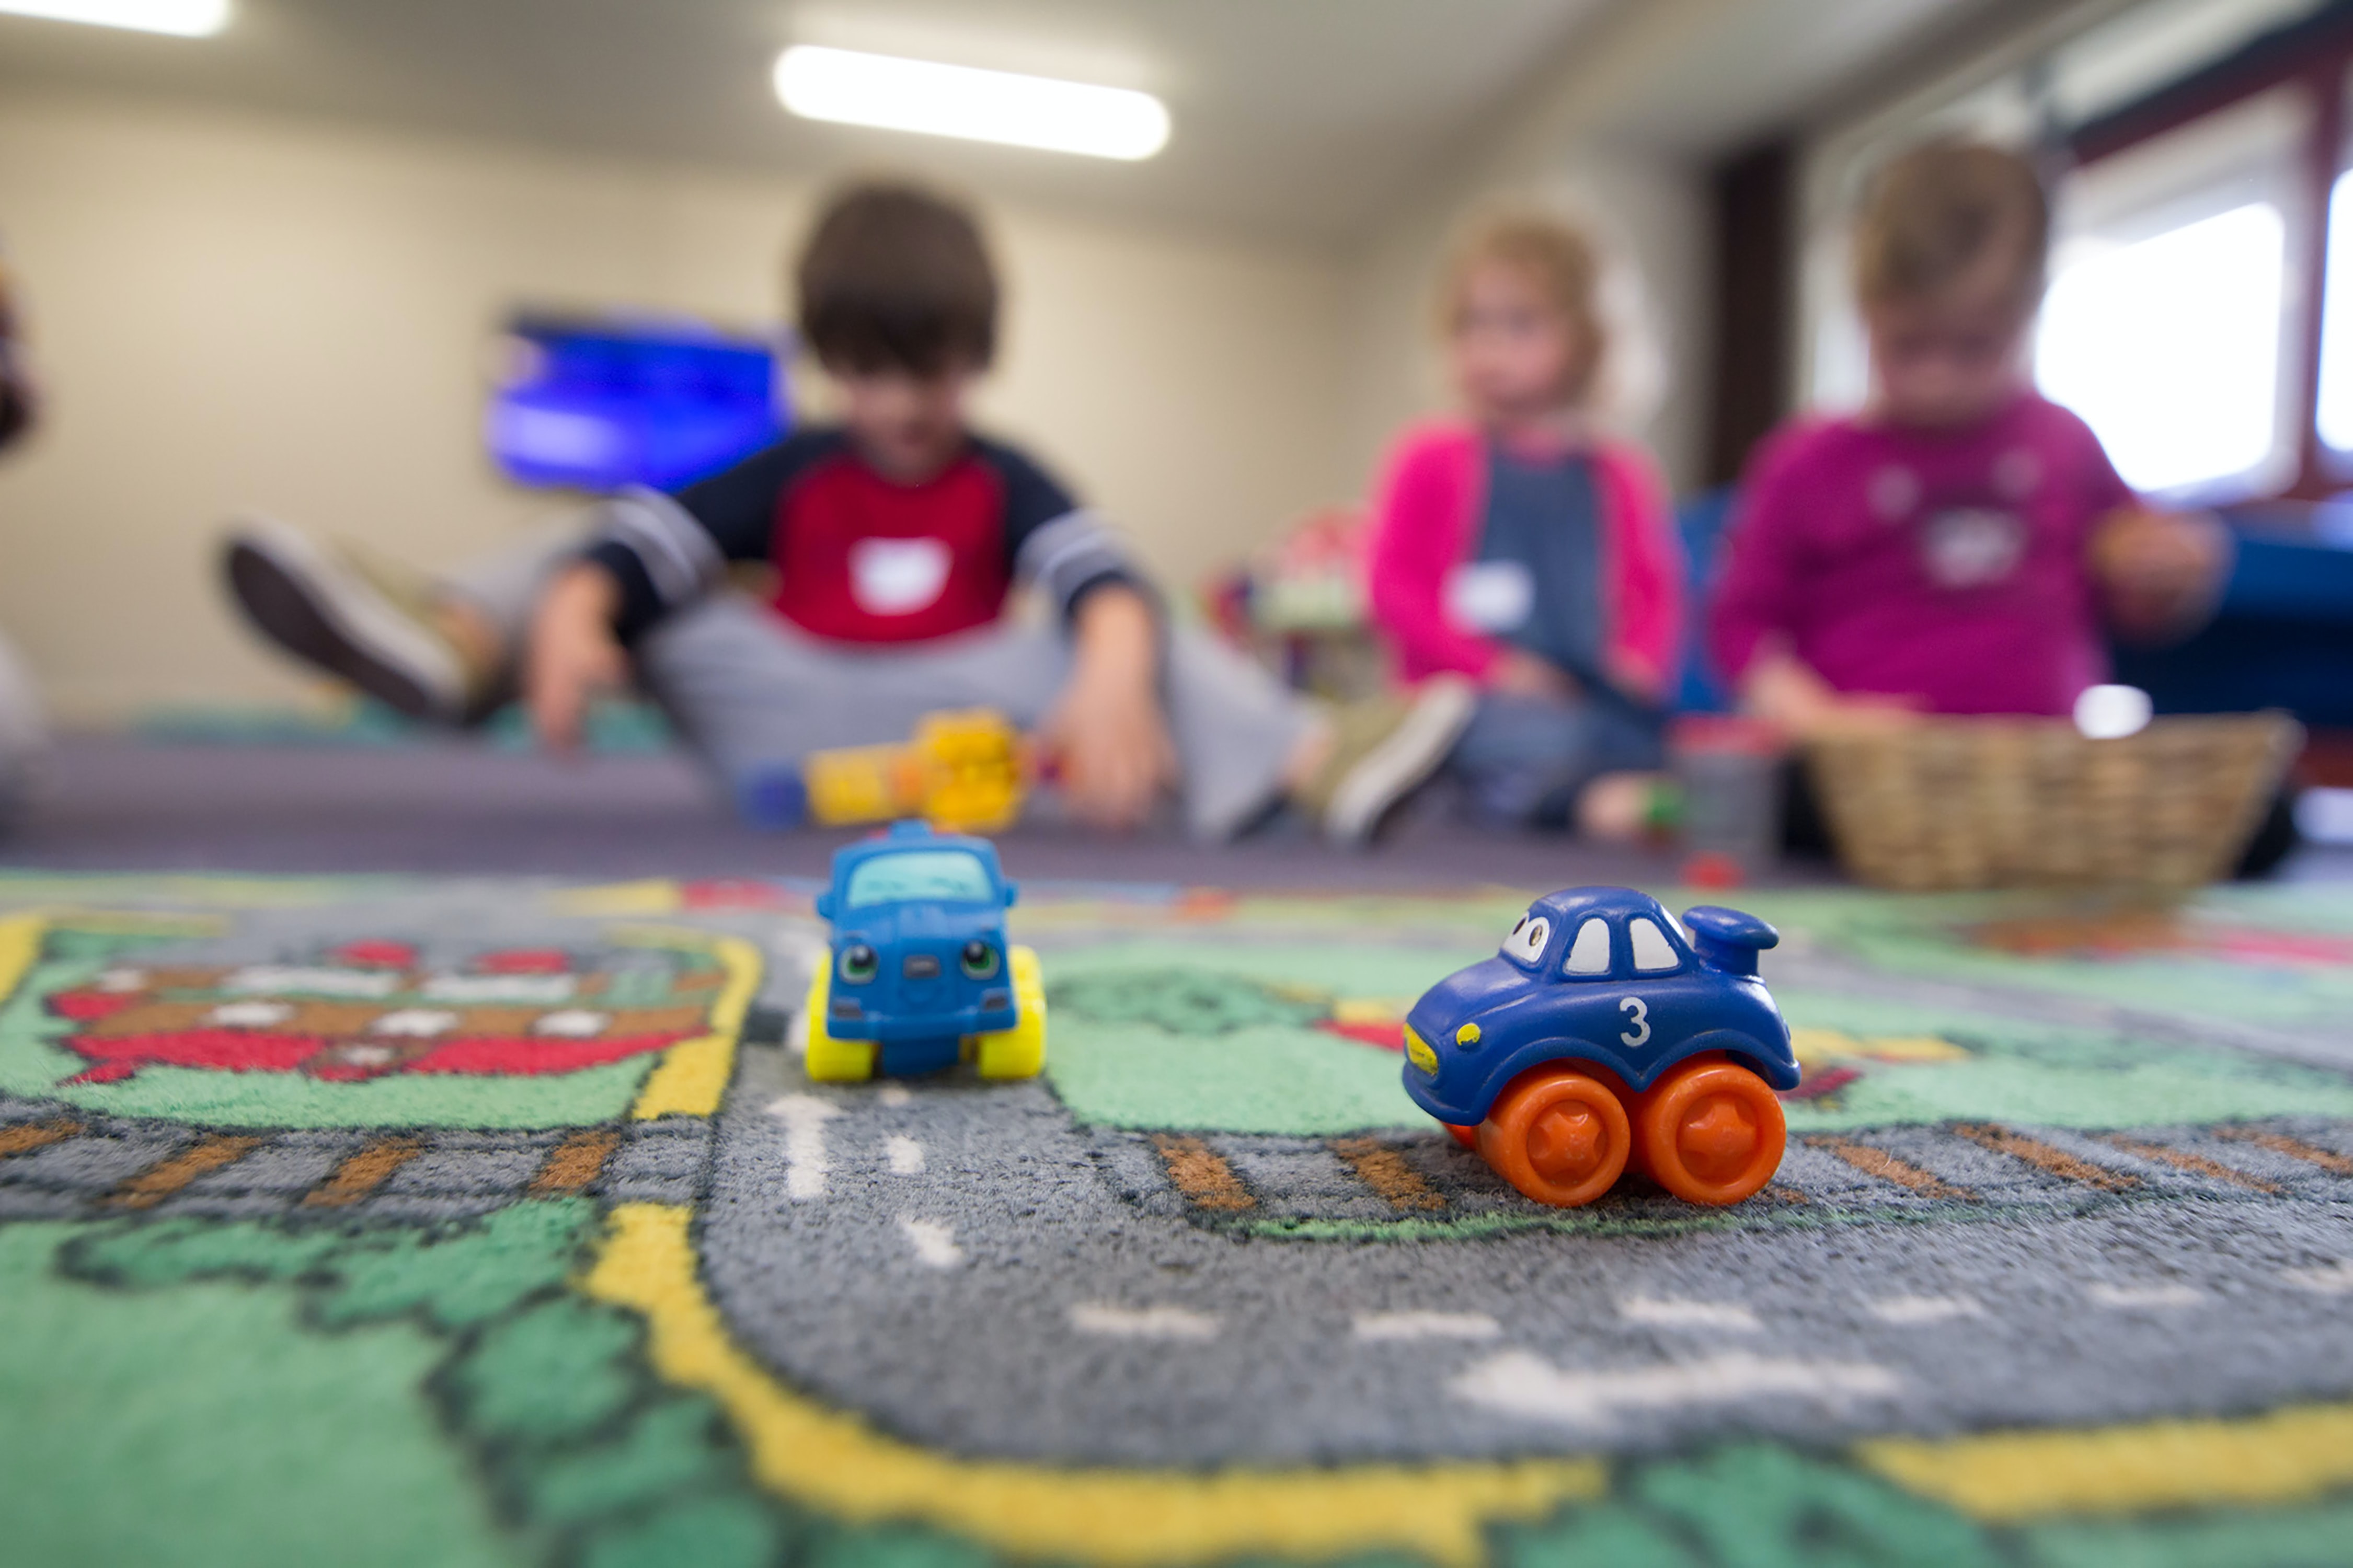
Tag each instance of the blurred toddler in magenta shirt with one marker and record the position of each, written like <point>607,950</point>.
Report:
<point>1962,546</point>
<point>1520,547</point>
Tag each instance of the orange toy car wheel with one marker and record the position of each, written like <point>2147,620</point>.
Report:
<point>1560,1136</point>
<point>1710,1132</point>
<point>1466,1136</point>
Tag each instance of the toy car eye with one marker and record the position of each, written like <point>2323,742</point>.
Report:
<point>1526,942</point>
<point>979,960</point>
<point>858,963</point>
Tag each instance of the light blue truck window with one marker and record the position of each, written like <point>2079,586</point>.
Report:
<point>951,874</point>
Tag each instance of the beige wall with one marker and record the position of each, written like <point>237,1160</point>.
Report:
<point>1562,144</point>
<point>239,313</point>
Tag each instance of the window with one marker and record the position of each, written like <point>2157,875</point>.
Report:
<point>954,875</point>
<point>2200,310</point>
<point>2168,312</point>
<point>1589,954</point>
<point>1653,950</point>
<point>2335,413</point>
<point>2191,403</point>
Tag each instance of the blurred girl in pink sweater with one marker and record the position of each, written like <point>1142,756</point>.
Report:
<point>1520,547</point>
<point>1961,545</point>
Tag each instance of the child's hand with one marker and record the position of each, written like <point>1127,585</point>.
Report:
<point>572,654</point>
<point>1519,673</point>
<point>2162,572</point>
<point>1783,689</point>
<point>1107,729</point>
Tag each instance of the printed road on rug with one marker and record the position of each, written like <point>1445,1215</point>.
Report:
<point>495,1222</point>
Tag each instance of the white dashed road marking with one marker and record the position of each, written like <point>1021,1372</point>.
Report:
<point>2332,1279</point>
<point>934,1243</point>
<point>804,1115</point>
<point>2130,1296</point>
<point>1426,1326</point>
<point>906,1155</point>
<point>1924,1309</point>
<point>1661,1312</point>
<point>1519,1383</point>
<point>1143,1323</point>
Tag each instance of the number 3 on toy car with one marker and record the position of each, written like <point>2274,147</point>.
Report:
<point>1637,1009</point>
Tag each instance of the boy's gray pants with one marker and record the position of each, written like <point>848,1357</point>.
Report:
<point>755,695</point>
<point>23,737</point>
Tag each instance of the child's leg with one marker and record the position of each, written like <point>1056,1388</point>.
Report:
<point>23,737</point>
<point>1525,760</point>
<point>1239,735</point>
<point>756,697</point>
<point>440,650</point>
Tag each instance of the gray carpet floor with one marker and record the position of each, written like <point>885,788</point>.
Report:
<point>117,803</point>
<point>120,803</point>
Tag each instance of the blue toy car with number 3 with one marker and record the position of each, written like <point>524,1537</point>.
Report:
<point>919,976</point>
<point>1602,1034</point>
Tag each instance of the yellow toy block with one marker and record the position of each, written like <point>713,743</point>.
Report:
<point>961,771</point>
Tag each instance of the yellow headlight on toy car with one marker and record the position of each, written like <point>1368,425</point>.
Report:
<point>1418,1051</point>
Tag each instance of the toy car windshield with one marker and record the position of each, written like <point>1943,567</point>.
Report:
<point>953,875</point>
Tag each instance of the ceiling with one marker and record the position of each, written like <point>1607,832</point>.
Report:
<point>1301,119</point>
<point>1293,118</point>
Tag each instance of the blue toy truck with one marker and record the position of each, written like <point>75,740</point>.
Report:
<point>1603,1033</point>
<point>919,976</point>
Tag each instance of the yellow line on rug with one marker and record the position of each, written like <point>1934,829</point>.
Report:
<point>2004,1478</point>
<point>833,1461</point>
<point>693,1074</point>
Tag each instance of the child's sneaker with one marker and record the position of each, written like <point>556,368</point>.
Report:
<point>328,608</point>
<point>1382,751</point>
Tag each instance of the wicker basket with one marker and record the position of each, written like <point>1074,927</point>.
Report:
<point>1991,803</point>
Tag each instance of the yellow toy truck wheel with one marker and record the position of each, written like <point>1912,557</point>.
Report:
<point>830,1060</point>
<point>1019,1051</point>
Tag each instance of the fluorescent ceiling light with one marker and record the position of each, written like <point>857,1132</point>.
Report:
<point>184,19</point>
<point>898,94</point>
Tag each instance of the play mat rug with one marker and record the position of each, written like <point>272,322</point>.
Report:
<point>468,1222</point>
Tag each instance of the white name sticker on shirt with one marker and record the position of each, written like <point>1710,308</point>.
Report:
<point>897,576</point>
<point>1969,547</point>
<point>1491,595</point>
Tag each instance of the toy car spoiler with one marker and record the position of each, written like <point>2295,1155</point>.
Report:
<point>1728,940</point>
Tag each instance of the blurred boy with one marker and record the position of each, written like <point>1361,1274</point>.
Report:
<point>898,538</point>
<point>1961,545</point>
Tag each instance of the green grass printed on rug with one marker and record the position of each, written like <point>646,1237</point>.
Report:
<point>1926,935</point>
<point>153,1429</point>
<point>554,1439</point>
<point>2045,1074</point>
<point>1221,1043</point>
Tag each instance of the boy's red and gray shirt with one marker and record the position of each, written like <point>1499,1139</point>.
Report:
<point>861,557</point>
